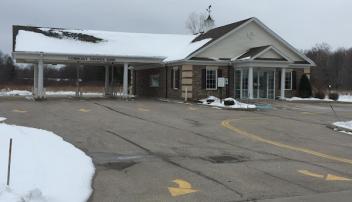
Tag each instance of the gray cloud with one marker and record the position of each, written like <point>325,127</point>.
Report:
<point>302,23</point>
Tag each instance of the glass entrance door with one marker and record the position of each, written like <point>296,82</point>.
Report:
<point>263,84</point>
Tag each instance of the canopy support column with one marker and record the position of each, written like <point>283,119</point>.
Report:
<point>250,83</point>
<point>40,94</point>
<point>107,76</point>
<point>125,80</point>
<point>283,82</point>
<point>35,80</point>
<point>78,89</point>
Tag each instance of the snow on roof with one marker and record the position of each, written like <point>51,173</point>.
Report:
<point>169,47</point>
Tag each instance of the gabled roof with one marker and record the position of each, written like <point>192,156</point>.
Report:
<point>251,53</point>
<point>218,32</point>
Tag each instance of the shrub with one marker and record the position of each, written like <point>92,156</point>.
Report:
<point>333,96</point>
<point>320,95</point>
<point>305,88</point>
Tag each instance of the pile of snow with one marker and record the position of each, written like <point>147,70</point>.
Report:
<point>24,93</point>
<point>2,119</point>
<point>15,93</point>
<point>113,44</point>
<point>308,99</point>
<point>216,102</point>
<point>345,98</point>
<point>346,125</point>
<point>44,167</point>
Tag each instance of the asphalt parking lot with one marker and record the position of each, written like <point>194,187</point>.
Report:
<point>148,150</point>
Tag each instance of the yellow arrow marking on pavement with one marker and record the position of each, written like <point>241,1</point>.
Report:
<point>306,172</point>
<point>192,108</point>
<point>143,109</point>
<point>19,111</point>
<point>84,110</point>
<point>183,188</point>
<point>227,125</point>
<point>328,177</point>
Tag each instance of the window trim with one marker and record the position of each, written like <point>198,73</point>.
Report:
<point>174,69</point>
<point>211,68</point>
<point>290,72</point>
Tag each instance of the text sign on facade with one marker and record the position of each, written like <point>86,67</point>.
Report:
<point>91,59</point>
<point>221,82</point>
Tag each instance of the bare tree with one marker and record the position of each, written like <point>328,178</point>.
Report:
<point>195,22</point>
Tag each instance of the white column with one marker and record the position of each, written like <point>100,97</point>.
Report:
<point>283,79</point>
<point>107,80</point>
<point>35,80</point>
<point>40,94</point>
<point>125,80</point>
<point>131,83</point>
<point>250,83</point>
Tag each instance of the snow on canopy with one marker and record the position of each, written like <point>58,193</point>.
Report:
<point>168,47</point>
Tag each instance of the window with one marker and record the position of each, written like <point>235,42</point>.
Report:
<point>175,78</point>
<point>288,81</point>
<point>211,78</point>
<point>154,80</point>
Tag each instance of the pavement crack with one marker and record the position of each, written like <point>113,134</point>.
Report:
<point>167,160</point>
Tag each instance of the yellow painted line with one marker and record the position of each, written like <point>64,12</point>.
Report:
<point>143,109</point>
<point>183,188</point>
<point>328,177</point>
<point>19,111</point>
<point>311,174</point>
<point>307,113</point>
<point>227,125</point>
<point>84,110</point>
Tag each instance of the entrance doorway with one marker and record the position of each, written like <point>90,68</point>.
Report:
<point>263,84</point>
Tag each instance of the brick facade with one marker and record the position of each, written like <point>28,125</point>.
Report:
<point>199,92</point>
<point>143,83</point>
<point>191,78</point>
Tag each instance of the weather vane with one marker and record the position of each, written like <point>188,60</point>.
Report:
<point>209,10</point>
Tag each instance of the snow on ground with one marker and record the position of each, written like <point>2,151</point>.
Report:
<point>218,103</point>
<point>44,167</point>
<point>347,124</point>
<point>345,98</point>
<point>308,99</point>
<point>2,119</point>
<point>48,93</point>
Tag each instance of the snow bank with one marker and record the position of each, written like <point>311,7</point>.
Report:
<point>48,93</point>
<point>15,93</point>
<point>347,124</point>
<point>44,167</point>
<point>215,102</point>
<point>307,99</point>
<point>345,98</point>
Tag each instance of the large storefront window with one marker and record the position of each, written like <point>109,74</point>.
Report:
<point>263,84</point>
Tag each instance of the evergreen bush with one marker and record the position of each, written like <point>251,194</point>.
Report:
<point>305,88</point>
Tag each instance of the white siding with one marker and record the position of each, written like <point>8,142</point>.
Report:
<point>252,35</point>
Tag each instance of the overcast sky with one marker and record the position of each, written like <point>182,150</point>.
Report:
<point>303,23</point>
